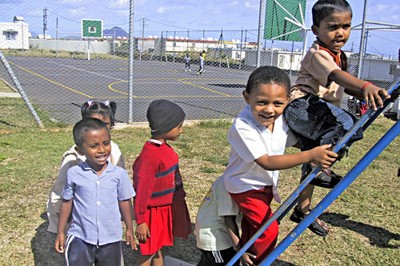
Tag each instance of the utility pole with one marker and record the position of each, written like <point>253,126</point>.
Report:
<point>366,41</point>
<point>187,43</point>
<point>114,41</point>
<point>204,38</point>
<point>56,36</point>
<point>362,42</point>
<point>131,55</point>
<point>142,41</point>
<point>241,49</point>
<point>173,47</point>
<point>260,32</point>
<point>44,22</point>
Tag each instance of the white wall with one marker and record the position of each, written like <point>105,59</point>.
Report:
<point>374,69</point>
<point>72,45</point>
<point>19,33</point>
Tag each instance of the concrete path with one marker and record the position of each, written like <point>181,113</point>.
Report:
<point>170,261</point>
<point>9,95</point>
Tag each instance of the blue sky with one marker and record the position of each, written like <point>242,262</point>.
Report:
<point>194,15</point>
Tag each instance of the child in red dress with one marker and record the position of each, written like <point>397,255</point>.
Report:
<point>160,197</point>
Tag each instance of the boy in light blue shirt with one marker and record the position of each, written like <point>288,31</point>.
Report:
<point>96,194</point>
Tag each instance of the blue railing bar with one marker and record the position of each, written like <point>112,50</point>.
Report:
<point>393,132</point>
<point>368,116</point>
<point>392,87</point>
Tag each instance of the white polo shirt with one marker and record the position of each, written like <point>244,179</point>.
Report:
<point>249,140</point>
<point>211,232</point>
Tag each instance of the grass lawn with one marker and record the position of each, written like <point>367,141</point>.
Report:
<point>364,220</point>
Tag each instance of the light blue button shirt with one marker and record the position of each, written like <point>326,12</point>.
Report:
<point>96,218</point>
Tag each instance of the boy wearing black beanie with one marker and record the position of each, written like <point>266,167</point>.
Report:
<point>160,206</point>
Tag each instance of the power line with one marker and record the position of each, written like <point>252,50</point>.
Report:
<point>63,17</point>
<point>383,38</point>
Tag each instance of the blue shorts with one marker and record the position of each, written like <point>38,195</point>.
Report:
<point>80,253</point>
<point>316,122</point>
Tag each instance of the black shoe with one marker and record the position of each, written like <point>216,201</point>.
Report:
<point>326,178</point>
<point>318,226</point>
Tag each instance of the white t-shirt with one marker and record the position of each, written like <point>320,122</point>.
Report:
<point>249,140</point>
<point>211,232</point>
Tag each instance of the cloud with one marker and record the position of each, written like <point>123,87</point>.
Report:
<point>118,4</point>
<point>389,13</point>
<point>36,12</point>
<point>161,10</point>
<point>77,12</point>
<point>170,9</point>
<point>251,4</point>
<point>14,2</point>
<point>73,2</point>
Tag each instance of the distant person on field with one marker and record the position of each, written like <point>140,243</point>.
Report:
<point>258,138</point>
<point>186,59</point>
<point>104,111</point>
<point>160,206</point>
<point>95,195</point>
<point>313,113</point>
<point>217,231</point>
<point>201,63</point>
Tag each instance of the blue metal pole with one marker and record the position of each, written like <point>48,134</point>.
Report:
<point>393,132</point>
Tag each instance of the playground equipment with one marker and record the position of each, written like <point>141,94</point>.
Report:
<point>364,121</point>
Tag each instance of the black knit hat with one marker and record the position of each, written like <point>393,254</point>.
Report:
<point>163,116</point>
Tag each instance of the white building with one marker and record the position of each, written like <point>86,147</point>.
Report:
<point>180,46</point>
<point>14,35</point>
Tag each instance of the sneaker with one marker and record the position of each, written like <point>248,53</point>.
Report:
<point>318,226</point>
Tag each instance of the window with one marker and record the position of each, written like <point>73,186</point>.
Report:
<point>10,34</point>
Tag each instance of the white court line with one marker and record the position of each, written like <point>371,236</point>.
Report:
<point>87,71</point>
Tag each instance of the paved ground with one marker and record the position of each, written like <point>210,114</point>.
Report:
<point>170,261</point>
<point>9,95</point>
<point>61,85</point>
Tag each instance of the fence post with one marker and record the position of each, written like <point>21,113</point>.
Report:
<point>21,90</point>
<point>131,55</point>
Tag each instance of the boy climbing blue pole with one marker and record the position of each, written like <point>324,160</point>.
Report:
<point>313,113</point>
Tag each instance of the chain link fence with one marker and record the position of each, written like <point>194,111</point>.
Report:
<point>59,67</point>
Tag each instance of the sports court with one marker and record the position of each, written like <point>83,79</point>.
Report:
<point>60,85</point>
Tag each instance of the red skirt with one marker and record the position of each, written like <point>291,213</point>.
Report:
<point>159,221</point>
<point>182,226</point>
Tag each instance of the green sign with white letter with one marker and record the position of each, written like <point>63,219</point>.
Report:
<point>92,28</point>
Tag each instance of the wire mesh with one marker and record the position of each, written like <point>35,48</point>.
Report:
<point>59,68</point>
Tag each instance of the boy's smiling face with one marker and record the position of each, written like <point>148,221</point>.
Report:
<point>334,30</point>
<point>96,148</point>
<point>267,103</point>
